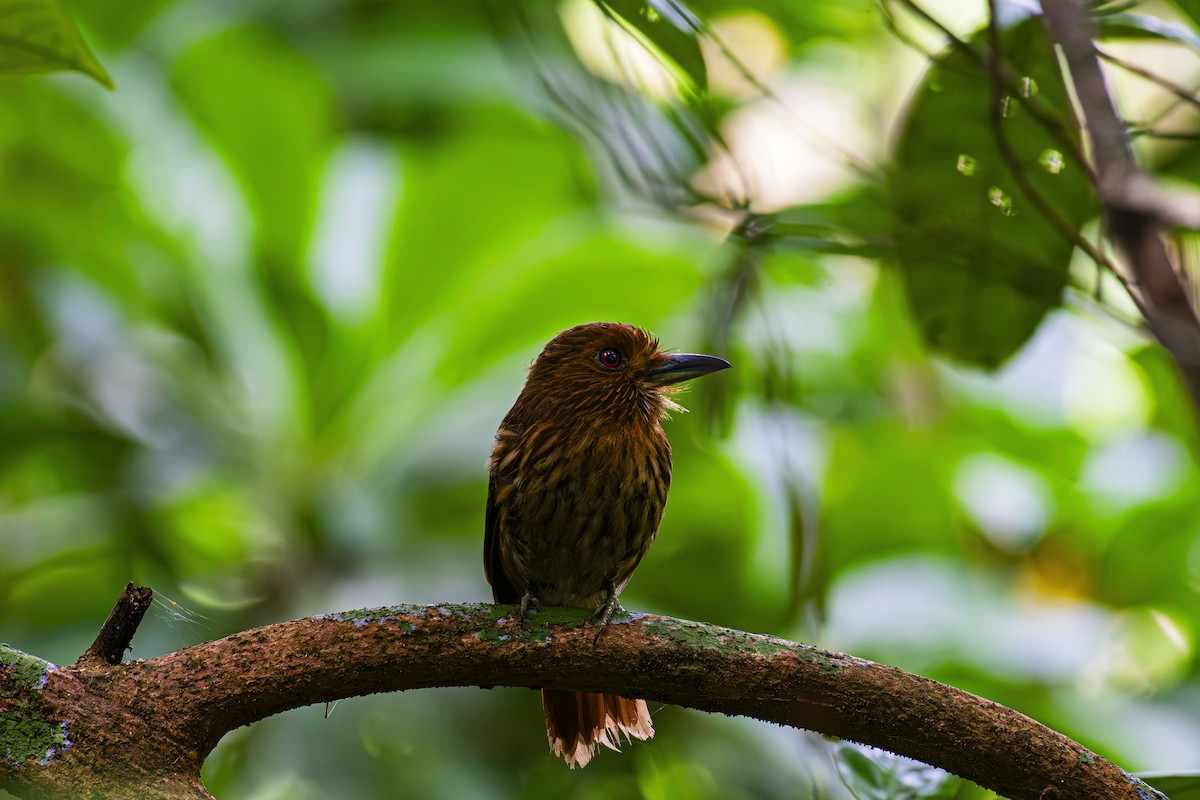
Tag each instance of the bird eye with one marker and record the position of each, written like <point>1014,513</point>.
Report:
<point>611,358</point>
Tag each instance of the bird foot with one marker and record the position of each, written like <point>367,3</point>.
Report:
<point>604,613</point>
<point>529,606</point>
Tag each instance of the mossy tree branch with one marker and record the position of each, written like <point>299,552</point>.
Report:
<point>142,729</point>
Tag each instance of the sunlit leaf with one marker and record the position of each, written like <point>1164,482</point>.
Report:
<point>39,36</point>
<point>981,263</point>
<point>1189,7</point>
<point>670,27</point>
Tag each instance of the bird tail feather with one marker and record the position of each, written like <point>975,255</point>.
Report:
<point>577,723</point>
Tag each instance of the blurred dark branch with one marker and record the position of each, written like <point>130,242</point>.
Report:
<point>731,294</point>
<point>1136,211</point>
<point>1186,95</point>
<point>1173,136</point>
<point>142,729</point>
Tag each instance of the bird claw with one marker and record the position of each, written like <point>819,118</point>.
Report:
<point>605,612</point>
<point>529,606</point>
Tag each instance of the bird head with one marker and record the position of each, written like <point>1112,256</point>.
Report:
<point>611,369</point>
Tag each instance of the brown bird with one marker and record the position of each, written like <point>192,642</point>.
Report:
<point>579,478</point>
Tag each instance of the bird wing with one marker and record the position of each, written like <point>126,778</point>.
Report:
<point>503,590</point>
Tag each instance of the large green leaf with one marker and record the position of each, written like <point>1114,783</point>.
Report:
<point>39,36</point>
<point>981,263</point>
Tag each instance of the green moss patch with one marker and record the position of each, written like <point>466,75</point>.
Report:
<point>25,735</point>
<point>725,640</point>
<point>26,673</point>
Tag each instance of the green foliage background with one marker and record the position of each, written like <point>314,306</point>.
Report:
<point>263,306</point>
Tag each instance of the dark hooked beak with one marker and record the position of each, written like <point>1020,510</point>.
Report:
<point>679,367</point>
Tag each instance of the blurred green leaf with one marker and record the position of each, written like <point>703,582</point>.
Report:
<point>1177,786</point>
<point>118,23</point>
<point>857,221</point>
<point>709,500</point>
<point>1191,8</point>
<point>1056,454</point>
<point>592,276</point>
<point>803,24</point>
<point>1150,559</point>
<point>192,413</point>
<point>1182,162</point>
<point>270,113</point>
<point>872,774</point>
<point>207,528</point>
<point>1173,409</point>
<point>63,171</point>
<point>1144,26</point>
<point>435,260</point>
<point>39,36</point>
<point>670,28</point>
<point>69,588</point>
<point>21,327</point>
<point>982,265</point>
<point>848,228</point>
<point>886,492</point>
<point>673,778</point>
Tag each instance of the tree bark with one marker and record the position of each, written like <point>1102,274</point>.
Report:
<point>142,729</point>
<point>117,631</point>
